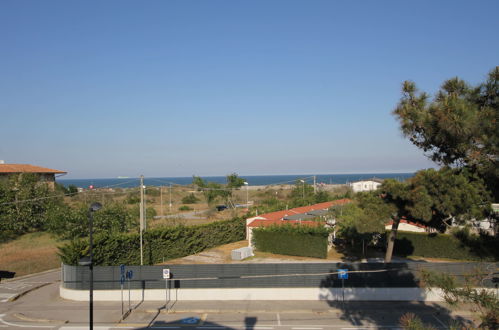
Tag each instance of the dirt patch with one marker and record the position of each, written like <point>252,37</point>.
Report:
<point>222,255</point>
<point>30,253</point>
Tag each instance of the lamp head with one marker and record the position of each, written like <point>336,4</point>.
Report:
<point>95,207</point>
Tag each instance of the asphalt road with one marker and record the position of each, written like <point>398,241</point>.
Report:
<point>11,288</point>
<point>42,308</point>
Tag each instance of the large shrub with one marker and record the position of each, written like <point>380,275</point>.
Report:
<point>71,223</point>
<point>292,240</point>
<point>463,247</point>
<point>159,244</point>
<point>24,205</point>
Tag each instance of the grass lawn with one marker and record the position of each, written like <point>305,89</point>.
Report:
<point>30,253</point>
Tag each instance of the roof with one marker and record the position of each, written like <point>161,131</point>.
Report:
<point>278,217</point>
<point>370,180</point>
<point>26,168</point>
<point>267,223</point>
<point>416,224</point>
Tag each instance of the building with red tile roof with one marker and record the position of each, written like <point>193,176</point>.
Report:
<point>44,174</point>
<point>295,216</point>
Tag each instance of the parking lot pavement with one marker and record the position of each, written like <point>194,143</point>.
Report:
<point>11,289</point>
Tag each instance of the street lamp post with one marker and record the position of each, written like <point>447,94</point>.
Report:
<point>90,261</point>
<point>303,190</point>
<point>247,198</point>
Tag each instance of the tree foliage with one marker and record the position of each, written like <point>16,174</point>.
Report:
<point>435,198</point>
<point>234,181</point>
<point>24,205</point>
<point>72,222</point>
<point>469,292</point>
<point>458,127</point>
<point>365,218</point>
<point>214,191</point>
<point>190,199</point>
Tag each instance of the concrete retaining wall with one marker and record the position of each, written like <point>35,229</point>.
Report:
<point>331,294</point>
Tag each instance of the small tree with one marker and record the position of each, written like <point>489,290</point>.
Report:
<point>434,198</point>
<point>234,181</point>
<point>364,218</point>
<point>190,199</point>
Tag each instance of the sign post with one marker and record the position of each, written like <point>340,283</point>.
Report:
<point>129,276</point>
<point>122,281</point>
<point>343,275</point>
<point>166,276</point>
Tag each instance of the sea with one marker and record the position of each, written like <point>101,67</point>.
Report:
<point>253,180</point>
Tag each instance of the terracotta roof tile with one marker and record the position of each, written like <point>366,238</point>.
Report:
<point>26,168</point>
<point>268,219</point>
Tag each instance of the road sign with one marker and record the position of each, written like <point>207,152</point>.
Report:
<point>122,269</point>
<point>166,273</point>
<point>122,279</point>
<point>129,274</point>
<point>343,274</point>
<point>190,320</point>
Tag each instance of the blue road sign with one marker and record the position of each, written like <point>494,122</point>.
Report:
<point>343,274</point>
<point>129,274</point>
<point>190,320</point>
<point>122,269</point>
<point>122,279</point>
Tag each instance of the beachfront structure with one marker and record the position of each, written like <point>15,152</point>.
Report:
<point>365,185</point>
<point>43,174</point>
<point>304,216</point>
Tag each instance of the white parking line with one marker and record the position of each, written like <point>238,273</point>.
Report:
<point>278,320</point>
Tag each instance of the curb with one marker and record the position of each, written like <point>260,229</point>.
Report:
<point>19,295</point>
<point>23,317</point>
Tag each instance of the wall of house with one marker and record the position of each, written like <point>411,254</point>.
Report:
<point>407,227</point>
<point>364,186</point>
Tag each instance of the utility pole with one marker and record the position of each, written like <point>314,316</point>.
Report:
<point>161,198</point>
<point>170,198</point>
<point>141,218</point>
<point>315,186</point>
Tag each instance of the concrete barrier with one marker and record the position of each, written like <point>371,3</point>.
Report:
<point>329,294</point>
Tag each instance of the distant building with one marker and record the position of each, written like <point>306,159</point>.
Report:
<point>46,175</point>
<point>365,185</point>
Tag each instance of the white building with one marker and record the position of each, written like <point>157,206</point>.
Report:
<point>365,185</point>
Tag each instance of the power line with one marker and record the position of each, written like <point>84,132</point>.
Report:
<point>69,194</point>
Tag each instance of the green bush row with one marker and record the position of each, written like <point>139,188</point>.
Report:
<point>473,247</point>
<point>158,244</point>
<point>292,240</point>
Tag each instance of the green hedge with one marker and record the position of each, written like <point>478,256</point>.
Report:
<point>476,247</point>
<point>292,240</point>
<point>158,244</point>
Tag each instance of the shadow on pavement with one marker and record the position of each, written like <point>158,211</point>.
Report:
<point>365,280</point>
<point>6,274</point>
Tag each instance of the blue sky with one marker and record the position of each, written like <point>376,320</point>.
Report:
<point>175,88</point>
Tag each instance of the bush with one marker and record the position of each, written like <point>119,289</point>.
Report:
<point>185,208</point>
<point>292,240</point>
<point>472,247</point>
<point>190,199</point>
<point>159,244</point>
<point>71,223</point>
